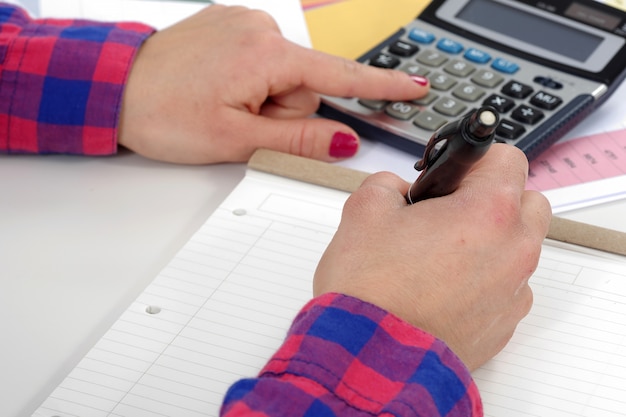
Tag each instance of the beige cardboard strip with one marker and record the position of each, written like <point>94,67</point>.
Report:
<point>345,179</point>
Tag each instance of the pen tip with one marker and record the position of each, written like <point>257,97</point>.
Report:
<point>487,117</point>
<point>483,123</point>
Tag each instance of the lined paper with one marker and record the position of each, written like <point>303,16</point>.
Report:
<point>568,357</point>
<point>222,306</point>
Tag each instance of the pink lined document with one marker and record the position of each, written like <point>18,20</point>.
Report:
<point>585,159</point>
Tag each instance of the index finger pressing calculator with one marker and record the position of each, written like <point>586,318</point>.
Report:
<point>543,65</point>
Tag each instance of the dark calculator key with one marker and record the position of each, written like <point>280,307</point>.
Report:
<point>546,101</point>
<point>404,49</point>
<point>516,89</point>
<point>510,130</point>
<point>526,114</point>
<point>384,61</point>
<point>501,104</point>
<point>548,82</point>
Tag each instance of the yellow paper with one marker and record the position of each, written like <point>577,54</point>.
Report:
<point>352,27</point>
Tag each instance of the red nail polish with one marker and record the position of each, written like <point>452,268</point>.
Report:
<point>417,79</point>
<point>343,145</point>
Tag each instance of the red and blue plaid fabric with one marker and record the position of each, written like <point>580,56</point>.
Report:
<point>344,357</point>
<point>61,82</point>
<point>61,86</point>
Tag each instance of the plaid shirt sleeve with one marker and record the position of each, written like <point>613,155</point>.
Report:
<point>61,82</point>
<point>344,357</point>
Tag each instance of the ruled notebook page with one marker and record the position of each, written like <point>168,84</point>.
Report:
<point>222,306</point>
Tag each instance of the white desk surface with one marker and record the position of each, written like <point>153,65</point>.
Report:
<point>79,240</point>
<point>81,237</point>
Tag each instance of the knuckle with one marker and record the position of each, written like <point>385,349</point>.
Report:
<point>356,204</point>
<point>524,302</point>
<point>511,159</point>
<point>301,143</point>
<point>368,193</point>
<point>263,18</point>
<point>350,66</point>
<point>257,30</point>
<point>511,154</point>
<point>353,71</point>
<point>532,252</point>
<point>544,209</point>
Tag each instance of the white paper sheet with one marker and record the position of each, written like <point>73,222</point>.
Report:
<point>226,300</point>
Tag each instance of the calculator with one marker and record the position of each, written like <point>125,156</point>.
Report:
<point>543,65</point>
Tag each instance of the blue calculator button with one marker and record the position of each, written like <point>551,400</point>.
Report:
<point>476,55</point>
<point>449,46</point>
<point>421,36</point>
<point>505,66</point>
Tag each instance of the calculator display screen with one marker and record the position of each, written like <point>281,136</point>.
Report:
<point>531,28</point>
<point>575,36</point>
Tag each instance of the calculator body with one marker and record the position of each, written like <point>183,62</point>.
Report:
<point>543,65</point>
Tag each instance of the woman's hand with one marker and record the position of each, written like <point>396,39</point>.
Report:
<point>456,266</point>
<point>224,82</point>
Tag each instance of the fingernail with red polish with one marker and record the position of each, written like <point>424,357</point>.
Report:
<point>343,145</point>
<point>417,79</point>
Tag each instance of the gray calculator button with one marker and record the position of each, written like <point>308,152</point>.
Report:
<point>442,82</point>
<point>429,121</point>
<point>373,104</point>
<point>426,100</point>
<point>468,92</point>
<point>487,78</point>
<point>401,110</point>
<point>415,69</point>
<point>431,58</point>
<point>449,106</point>
<point>459,68</point>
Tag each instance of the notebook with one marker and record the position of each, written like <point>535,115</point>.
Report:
<point>222,306</point>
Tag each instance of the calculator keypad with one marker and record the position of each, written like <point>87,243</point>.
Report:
<point>463,76</point>
<point>468,77</point>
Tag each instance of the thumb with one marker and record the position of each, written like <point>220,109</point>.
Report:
<point>316,138</point>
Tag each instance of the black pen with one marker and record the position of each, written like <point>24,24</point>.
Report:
<point>463,143</point>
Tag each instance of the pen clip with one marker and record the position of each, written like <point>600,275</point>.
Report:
<point>429,155</point>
